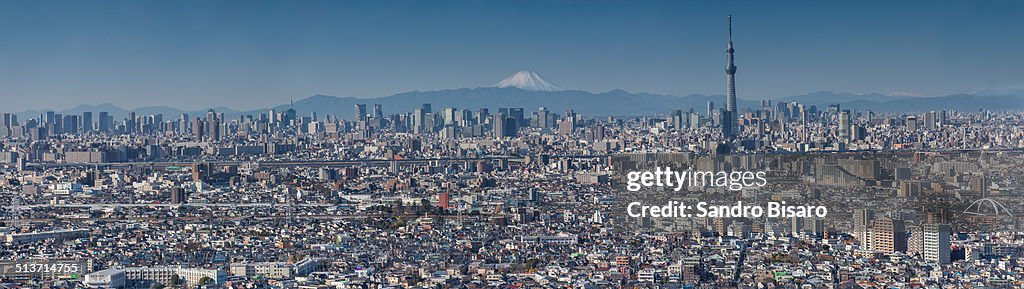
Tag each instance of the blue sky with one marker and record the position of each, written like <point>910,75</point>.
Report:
<point>251,54</point>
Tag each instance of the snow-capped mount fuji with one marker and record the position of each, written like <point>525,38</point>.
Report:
<point>528,80</point>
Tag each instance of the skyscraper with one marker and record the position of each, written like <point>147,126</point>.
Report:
<point>212,125</point>
<point>359,112</point>
<point>130,124</point>
<point>500,122</point>
<point>888,235</point>
<point>862,219</point>
<point>289,115</point>
<point>10,119</point>
<point>844,125</point>
<point>87,121</point>
<point>936,243</point>
<point>543,117</point>
<point>518,114</point>
<point>50,116</point>
<point>104,125</point>
<point>184,123</point>
<point>930,119</point>
<point>378,111</point>
<point>197,128</point>
<point>730,92</point>
<point>504,126</point>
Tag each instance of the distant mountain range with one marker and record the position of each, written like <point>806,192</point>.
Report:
<point>528,90</point>
<point>622,103</point>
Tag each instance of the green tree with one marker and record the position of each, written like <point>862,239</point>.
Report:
<point>205,280</point>
<point>426,205</point>
<point>175,280</point>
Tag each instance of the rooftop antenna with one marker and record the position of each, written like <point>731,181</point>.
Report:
<point>730,28</point>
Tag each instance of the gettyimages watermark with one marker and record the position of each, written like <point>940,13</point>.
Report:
<point>677,180</point>
<point>817,192</point>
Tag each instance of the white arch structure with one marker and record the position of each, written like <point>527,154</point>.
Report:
<point>995,205</point>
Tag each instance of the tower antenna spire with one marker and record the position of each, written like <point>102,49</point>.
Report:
<point>730,28</point>
<point>730,128</point>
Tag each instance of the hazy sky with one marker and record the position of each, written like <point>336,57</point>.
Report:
<point>250,54</point>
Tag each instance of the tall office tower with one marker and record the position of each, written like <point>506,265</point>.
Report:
<point>426,108</point>
<point>57,125</point>
<point>158,122</point>
<point>676,119</point>
<point>197,128</point>
<point>844,125</point>
<point>212,125</point>
<point>930,119</point>
<point>289,115</point>
<point>862,218</point>
<point>272,116</point>
<point>9,119</point>
<point>599,133</point>
<point>183,125</point>
<point>70,125</point>
<point>543,117</point>
<point>50,117</point>
<point>87,121</point>
<point>448,115</point>
<point>730,82</point>
<point>359,114</point>
<point>568,123</point>
<point>102,122</point>
<point>711,108</point>
<point>694,120</point>
<point>499,124</point>
<point>504,126</point>
<point>378,111</point>
<point>833,108</point>
<point>130,125</point>
<point>858,132</point>
<point>37,133</point>
<point>518,114</point>
<point>911,123</point>
<point>418,116</point>
<point>482,115</point>
<point>110,122</point>
<point>466,118</point>
<point>888,235</point>
<point>936,243</point>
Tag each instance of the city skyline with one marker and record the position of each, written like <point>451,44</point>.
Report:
<point>477,144</point>
<point>254,55</point>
